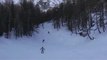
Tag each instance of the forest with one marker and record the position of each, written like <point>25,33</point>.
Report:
<point>79,16</point>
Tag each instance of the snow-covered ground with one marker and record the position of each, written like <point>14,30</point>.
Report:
<point>59,45</point>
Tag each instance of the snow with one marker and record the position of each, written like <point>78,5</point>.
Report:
<point>59,45</point>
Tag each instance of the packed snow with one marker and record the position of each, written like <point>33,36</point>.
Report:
<point>58,44</point>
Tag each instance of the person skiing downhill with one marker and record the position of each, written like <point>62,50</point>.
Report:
<point>43,41</point>
<point>48,32</point>
<point>42,50</point>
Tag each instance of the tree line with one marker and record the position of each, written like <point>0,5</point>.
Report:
<point>79,16</point>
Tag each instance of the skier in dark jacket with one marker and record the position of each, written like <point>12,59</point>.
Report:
<point>42,50</point>
<point>48,32</point>
<point>43,40</point>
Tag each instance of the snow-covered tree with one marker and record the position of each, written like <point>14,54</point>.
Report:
<point>8,1</point>
<point>44,4</point>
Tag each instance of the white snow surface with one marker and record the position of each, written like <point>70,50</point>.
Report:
<point>59,45</point>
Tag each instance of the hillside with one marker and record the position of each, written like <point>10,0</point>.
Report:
<point>59,45</point>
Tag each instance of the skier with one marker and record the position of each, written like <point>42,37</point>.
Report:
<point>42,50</point>
<point>43,40</point>
<point>48,32</point>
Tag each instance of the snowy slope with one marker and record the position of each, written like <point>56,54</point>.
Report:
<point>59,45</point>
